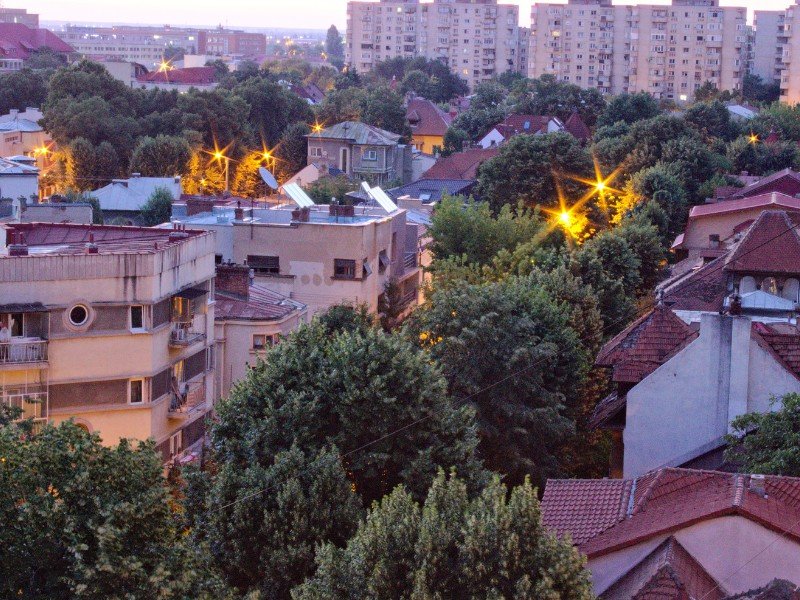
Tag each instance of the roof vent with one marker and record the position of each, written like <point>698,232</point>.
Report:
<point>758,485</point>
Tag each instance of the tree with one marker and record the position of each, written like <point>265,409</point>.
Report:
<point>271,108</point>
<point>493,546</point>
<point>629,108</point>
<point>334,47</point>
<point>755,89</point>
<point>712,119</point>
<point>768,442</point>
<point>706,92</point>
<point>83,519</point>
<point>326,188</point>
<point>454,141</point>
<point>157,209</point>
<point>506,349</point>
<point>221,69</point>
<point>162,156</point>
<point>530,169</point>
<point>759,158</point>
<point>383,108</point>
<point>548,96</point>
<point>658,184</point>
<point>319,389</point>
<point>44,58</point>
<point>73,197</point>
<point>272,517</point>
<point>21,89</point>
<point>292,151</point>
<point>471,231</point>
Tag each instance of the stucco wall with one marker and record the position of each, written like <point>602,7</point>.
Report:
<point>690,400</point>
<point>738,553</point>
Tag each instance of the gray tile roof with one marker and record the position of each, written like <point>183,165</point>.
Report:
<point>358,133</point>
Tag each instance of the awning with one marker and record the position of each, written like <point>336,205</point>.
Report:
<point>23,308</point>
<point>191,293</point>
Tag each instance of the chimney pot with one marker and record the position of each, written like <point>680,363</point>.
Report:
<point>758,485</point>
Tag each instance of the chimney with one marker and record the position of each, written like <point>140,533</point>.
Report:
<point>234,279</point>
<point>757,485</point>
<point>736,305</point>
<point>18,247</point>
<point>91,247</point>
<point>713,240</point>
<point>238,212</point>
<point>135,175</point>
<point>177,232</point>
<point>14,113</point>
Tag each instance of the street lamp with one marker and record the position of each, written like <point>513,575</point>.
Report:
<point>219,156</point>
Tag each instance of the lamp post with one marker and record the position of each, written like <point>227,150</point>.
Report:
<point>220,156</point>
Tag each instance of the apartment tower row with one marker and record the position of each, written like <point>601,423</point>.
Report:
<point>667,50</point>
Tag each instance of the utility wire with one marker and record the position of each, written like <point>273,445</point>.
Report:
<point>398,430</point>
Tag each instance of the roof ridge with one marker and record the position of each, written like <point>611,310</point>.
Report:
<point>738,490</point>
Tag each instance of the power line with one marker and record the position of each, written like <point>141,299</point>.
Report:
<point>398,430</point>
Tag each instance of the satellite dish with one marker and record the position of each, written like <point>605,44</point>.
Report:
<point>268,178</point>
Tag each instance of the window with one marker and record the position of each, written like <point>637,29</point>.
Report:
<point>370,155</point>
<point>383,261</point>
<point>315,151</point>
<point>136,394</point>
<point>264,265</point>
<point>137,317</point>
<point>261,341</point>
<point>176,443</point>
<point>366,268</point>
<point>344,268</point>
<point>78,315</point>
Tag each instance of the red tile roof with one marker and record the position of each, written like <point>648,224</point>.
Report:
<point>666,501</point>
<point>782,342</point>
<point>775,199</point>
<point>645,345</point>
<point>777,589</point>
<point>771,245</point>
<point>577,128</point>
<point>608,408</point>
<point>518,124</point>
<point>669,572</point>
<point>426,118</point>
<point>584,508</point>
<point>187,76</point>
<point>774,182</point>
<point>261,304</point>
<point>461,165</point>
<point>18,41</point>
<point>704,289</point>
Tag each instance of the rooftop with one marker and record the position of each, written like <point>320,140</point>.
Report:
<point>70,239</point>
<point>357,133</point>
<point>604,516</point>
<point>261,304</point>
<point>185,76</point>
<point>517,124</point>
<point>25,125</point>
<point>426,118</point>
<point>771,245</point>
<point>131,194</point>
<point>461,165</point>
<point>776,199</point>
<point>10,167</point>
<point>19,41</point>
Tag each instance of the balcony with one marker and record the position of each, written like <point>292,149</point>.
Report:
<point>186,403</point>
<point>30,399</point>
<point>24,350</point>
<point>184,334</point>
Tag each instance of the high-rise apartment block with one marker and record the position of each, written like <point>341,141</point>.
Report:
<point>477,39</point>
<point>768,44</point>
<point>790,73</point>
<point>668,51</point>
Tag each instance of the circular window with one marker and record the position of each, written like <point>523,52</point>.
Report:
<point>78,315</point>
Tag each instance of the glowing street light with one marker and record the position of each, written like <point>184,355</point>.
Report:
<point>753,138</point>
<point>219,156</point>
<point>565,218</point>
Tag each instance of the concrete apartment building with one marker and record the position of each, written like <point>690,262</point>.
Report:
<point>768,44</point>
<point>477,39</point>
<point>143,45</point>
<point>321,256</point>
<point>19,15</point>
<point>223,41</point>
<point>110,326</point>
<point>790,74</point>
<point>668,51</point>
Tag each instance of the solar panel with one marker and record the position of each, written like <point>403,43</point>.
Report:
<point>296,193</point>
<point>383,199</point>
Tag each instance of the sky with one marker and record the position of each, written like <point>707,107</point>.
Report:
<point>310,14</point>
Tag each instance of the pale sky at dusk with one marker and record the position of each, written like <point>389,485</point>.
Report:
<point>313,14</point>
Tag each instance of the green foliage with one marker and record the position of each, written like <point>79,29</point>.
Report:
<point>378,106</point>
<point>84,520</point>
<point>755,89</point>
<point>782,118</point>
<point>221,70</point>
<point>324,189</point>
<point>334,46</point>
<point>493,546</point>
<point>629,108</point>
<point>318,390</point>
<point>477,122</point>
<point>712,119</point>
<point>270,109</point>
<point>659,184</point>
<point>471,231</point>
<point>530,169</point>
<point>507,349</point>
<point>21,89</point>
<point>432,79</point>
<point>264,519</point>
<point>157,209</point>
<point>162,156</point>
<point>88,166</point>
<point>548,96</point>
<point>768,442</point>
<point>762,158</point>
<point>454,141</point>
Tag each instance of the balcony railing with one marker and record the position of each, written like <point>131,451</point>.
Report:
<point>410,261</point>
<point>182,336</point>
<point>32,402</point>
<point>191,400</point>
<point>23,350</point>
